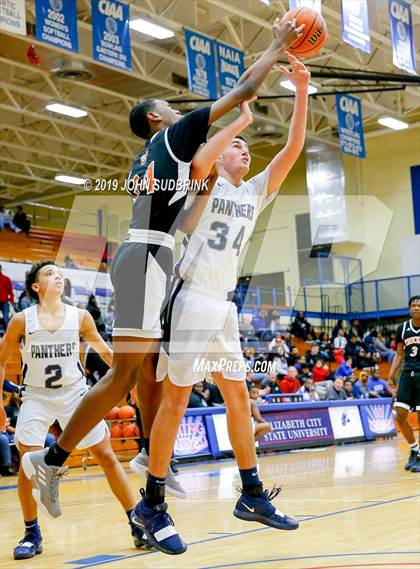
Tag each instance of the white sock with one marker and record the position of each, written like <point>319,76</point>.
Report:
<point>415,447</point>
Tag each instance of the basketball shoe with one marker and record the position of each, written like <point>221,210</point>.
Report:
<point>416,464</point>
<point>411,460</point>
<point>30,545</point>
<point>258,508</point>
<point>140,465</point>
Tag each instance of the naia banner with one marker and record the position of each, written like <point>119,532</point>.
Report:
<point>230,62</point>
<point>403,51</point>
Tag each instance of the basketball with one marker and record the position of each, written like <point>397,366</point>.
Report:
<point>126,412</point>
<point>113,414</point>
<point>314,32</point>
<point>130,430</point>
<point>116,432</point>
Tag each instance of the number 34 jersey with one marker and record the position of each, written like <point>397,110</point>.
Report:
<point>211,256</point>
<point>51,359</point>
<point>410,337</point>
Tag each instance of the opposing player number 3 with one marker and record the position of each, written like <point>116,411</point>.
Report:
<point>57,374</point>
<point>414,350</point>
<point>222,232</point>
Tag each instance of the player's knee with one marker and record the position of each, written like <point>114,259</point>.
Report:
<point>402,414</point>
<point>105,456</point>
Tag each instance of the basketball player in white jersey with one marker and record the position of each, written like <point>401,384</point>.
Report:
<point>48,335</point>
<point>202,323</point>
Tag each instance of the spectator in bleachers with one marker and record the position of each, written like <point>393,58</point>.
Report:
<point>69,263</point>
<point>6,296</point>
<point>212,393</point>
<point>378,385</point>
<point>363,359</point>
<point>94,310</point>
<point>392,341</point>
<point>312,356</point>
<point>66,298</point>
<point>249,380</point>
<point>345,369</point>
<point>290,383</point>
<point>361,388</point>
<point>3,218</point>
<point>257,395</point>
<point>336,392</point>
<point>21,221</point>
<point>198,396</point>
<point>272,384</point>
<point>308,391</point>
<point>340,341</point>
<point>293,356</point>
<point>348,389</point>
<point>262,320</point>
<point>24,301</point>
<point>248,353</point>
<point>352,347</point>
<point>278,341</point>
<point>336,328</point>
<point>379,346</point>
<point>301,327</point>
<point>324,344</point>
<point>304,372</point>
<point>279,361</point>
<point>6,461</point>
<point>320,371</point>
<point>357,329</point>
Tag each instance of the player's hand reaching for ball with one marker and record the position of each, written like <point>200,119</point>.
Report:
<point>246,113</point>
<point>287,33</point>
<point>299,75</point>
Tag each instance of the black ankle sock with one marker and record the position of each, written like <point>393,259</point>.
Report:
<point>146,445</point>
<point>32,527</point>
<point>56,456</point>
<point>251,483</point>
<point>155,491</point>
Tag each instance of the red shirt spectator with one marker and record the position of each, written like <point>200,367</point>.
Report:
<point>6,289</point>
<point>290,384</point>
<point>320,372</point>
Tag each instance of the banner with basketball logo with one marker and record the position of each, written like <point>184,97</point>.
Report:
<point>355,24</point>
<point>403,51</point>
<point>350,125</point>
<point>13,17</point>
<point>201,64</point>
<point>314,4</point>
<point>111,33</point>
<point>230,63</point>
<point>56,23</point>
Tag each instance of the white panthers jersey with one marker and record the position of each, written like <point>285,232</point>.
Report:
<point>211,256</point>
<point>51,359</point>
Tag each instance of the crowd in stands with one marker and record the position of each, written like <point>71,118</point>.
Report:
<point>17,222</point>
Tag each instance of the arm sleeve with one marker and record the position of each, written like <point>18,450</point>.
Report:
<point>185,136</point>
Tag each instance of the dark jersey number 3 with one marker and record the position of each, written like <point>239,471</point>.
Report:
<point>57,374</point>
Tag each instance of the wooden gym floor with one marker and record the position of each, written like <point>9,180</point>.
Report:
<point>357,505</point>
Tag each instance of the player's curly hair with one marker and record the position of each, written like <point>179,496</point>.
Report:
<point>139,123</point>
<point>412,299</point>
<point>32,276</point>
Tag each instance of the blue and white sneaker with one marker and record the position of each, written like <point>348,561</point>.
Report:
<point>158,527</point>
<point>260,509</point>
<point>29,546</point>
<point>416,464</point>
<point>139,537</point>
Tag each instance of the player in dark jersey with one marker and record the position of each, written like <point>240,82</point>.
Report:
<point>408,394</point>
<point>142,266</point>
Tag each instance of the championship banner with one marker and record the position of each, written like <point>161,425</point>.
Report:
<point>350,125</point>
<point>314,4</point>
<point>230,63</point>
<point>294,429</point>
<point>201,64</point>
<point>378,420</point>
<point>346,423</point>
<point>111,33</point>
<point>13,16</point>
<point>401,23</point>
<point>56,23</point>
<point>191,439</point>
<point>355,24</point>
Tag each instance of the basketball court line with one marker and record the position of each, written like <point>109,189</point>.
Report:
<point>245,532</point>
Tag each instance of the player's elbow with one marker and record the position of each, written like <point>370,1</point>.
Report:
<point>246,90</point>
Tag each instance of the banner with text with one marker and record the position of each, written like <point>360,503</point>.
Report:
<point>355,23</point>
<point>302,427</point>
<point>191,439</point>
<point>111,33</point>
<point>378,420</point>
<point>230,63</point>
<point>201,64</point>
<point>403,50</point>
<point>350,125</point>
<point>56,23</point>
<point>13,17</point>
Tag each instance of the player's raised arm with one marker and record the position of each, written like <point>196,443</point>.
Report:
<point>94,339</point>
<point>203,165</point>
<point>281,164</point>
<point>9,344</point>
<point>252,78</point>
